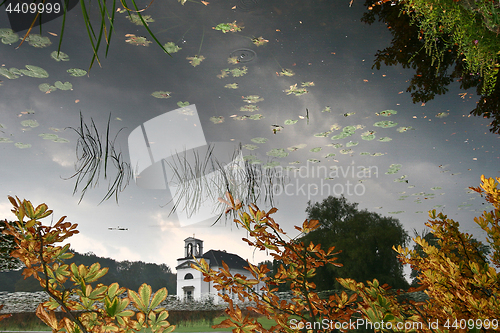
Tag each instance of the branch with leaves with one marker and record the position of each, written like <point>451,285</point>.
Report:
<point>299,263</point>
<point>88,307</point>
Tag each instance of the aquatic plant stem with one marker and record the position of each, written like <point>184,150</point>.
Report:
<point>202,37</point>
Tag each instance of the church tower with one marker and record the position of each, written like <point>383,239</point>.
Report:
<point>193,247</point>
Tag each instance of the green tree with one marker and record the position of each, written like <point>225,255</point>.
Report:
<point>366,240</point>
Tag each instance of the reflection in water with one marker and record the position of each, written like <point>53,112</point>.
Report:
<point>433,74</point>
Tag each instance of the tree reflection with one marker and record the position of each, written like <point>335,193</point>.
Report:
<point>433,74</point>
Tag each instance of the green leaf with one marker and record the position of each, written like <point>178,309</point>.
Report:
<point>158,297</point>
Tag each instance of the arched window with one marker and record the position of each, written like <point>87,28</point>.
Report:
<point>188,276</point>
<point>189,250</point>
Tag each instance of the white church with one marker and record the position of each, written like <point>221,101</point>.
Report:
<point>190,284</point>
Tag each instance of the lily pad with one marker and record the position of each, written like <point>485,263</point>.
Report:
<point>259,140</point>
<point>63,86</point>
<point>217,120</point>
<point>397,212</point>
<point>297,147</point>
<point>196,60</point>
<point>5,140</point>
<point>277,152</point>
<point>316,149</point>
<point>171,47</point>
<point>231,86</point>
<point>257,116</point>
<point>182,104</point>
<point>161,94</point>
<point>351,144</point>
<point>48,136</point>
<point>30,123</point>
<point>250,147</point>
<point>77,72</point>
<point>11,75</point>
<point>135,19</point>
<point>46,88</point>
<point>337,145</point>
<point>322,134</point>
<point>21,145</point>
<point>327,109</point>
<point>368,135</point>
<point>393,168</point>
<point>290,122</point>
<point>335,127</point>
<point>34,71</point>
<point>313,160</point>
<point>36,40</point>
<point>442,115</point>
<point>8,36</point>
<point>329,155</point>
<point>137,40</point>
<point>346,151</point>
<point>385,124</point>
<point>311,84</point>
<point>365,153</point>
<point>237,72</point>
<point>259,41</point>
<point>404,129</point>
<point>436,188</point>
<point>347,114</point>
<point>61,56</point>
<point>228,27</point>
<point>252,99</point>
<point>385,139</point>
<point>296,90</point>
<point>249,108</point>
<point>271,164</point>
<point>286,72</point>
<point>387,113</point>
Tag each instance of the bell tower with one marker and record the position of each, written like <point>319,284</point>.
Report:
<point>193,247</point>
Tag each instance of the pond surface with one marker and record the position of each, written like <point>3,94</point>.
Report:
<point>291,82</point>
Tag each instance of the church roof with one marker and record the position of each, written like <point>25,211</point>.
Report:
<point>232,260</point>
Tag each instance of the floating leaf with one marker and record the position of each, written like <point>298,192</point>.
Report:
<point>137,40</point>
<point>136,19</point>
<point>249,108</point>
<point>196,60</point>
<point>436,188</point>
<point>228,27</point>
<point>231,86</point>
<point>59,56</point>
<point>347,114</point>
<point>294,162</point>
<point>36,40</point>
<point>8,36</point>
<point>30,123</point>
<point>161,94</point>
<point>217,120</point>
<point>34,71</point>
<point>271,164</point>
<point>335,127</point>
<point>368,135</point>
<point>11,75</point>
<point>385,124</point>
<point>385,139</point>
<point>387,113</point>
<point>233,60</point>
<point>237,72</point>
<point>63,86</point>
<point>401,179</point>
<point>393,168</point>
<point>48,136</point>
<point>250,147</point>
<point>326,109</point>
<point>257,116</point>
<point>259,140</point>
<point>259,41</point>
<point>329,155</point>
<point>351,144</point>
<point>286,72</point>
<point>336,145</point>
<point>346,151</point>
<point>252,99</point>
<point>316,149</point>
<point>76,72</point>
<point>61,140</point>
<point>182,104</point>
<point>313,160</point>
<point>46,88</point>
<point>322,134</point>
<point>442,114</point>
<point>21,145</point>
<point>171,47</point>
<point>5,140</point>
<point>398,212</point>
<point>377,154</point>
<point>419,212</point>
<point>296,91</point>
<point>404,129</point>
<point>297,147</point>
<point>290,122</point>
<point>277,152</point>
<point>311,84</point>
